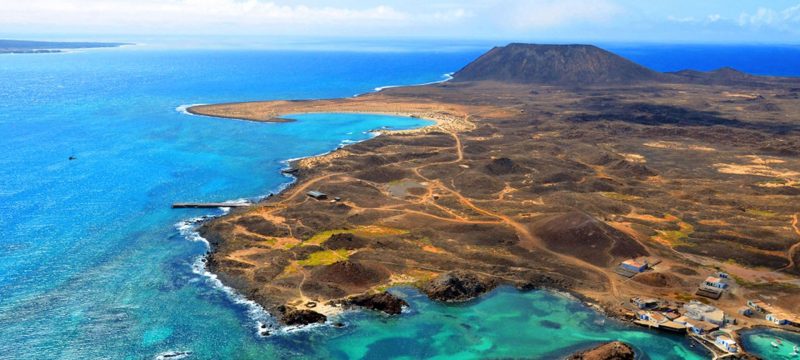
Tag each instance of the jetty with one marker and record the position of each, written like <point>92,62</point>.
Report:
<point>191,205</point>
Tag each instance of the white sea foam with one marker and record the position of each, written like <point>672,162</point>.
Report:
<point>445,77</point>
<point>183,109</point>
<point>188,229</point>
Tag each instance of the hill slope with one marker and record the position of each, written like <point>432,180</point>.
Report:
<point>565,65</point>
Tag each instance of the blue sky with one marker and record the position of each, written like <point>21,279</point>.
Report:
<point>700,21</point>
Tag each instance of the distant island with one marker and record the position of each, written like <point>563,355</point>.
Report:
<point>565,167</point>
<point>46,47</point>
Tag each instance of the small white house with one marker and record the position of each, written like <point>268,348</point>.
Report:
<point>716,282</point>
<point>782,319</point>
<point>727,343</point>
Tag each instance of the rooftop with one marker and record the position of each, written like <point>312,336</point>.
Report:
<point>633,263</point>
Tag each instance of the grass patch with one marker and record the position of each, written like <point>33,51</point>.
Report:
<point>676,237</point>
<point>365,231</point>
<point>619,197</point>
<point>762,213</point>
<point>325,257</point>
<point>320,237</point>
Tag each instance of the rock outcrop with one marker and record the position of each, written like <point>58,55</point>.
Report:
<point>611,351</point>
<point>458,286</point>
<point>291,316</point>
<point>383,302</point>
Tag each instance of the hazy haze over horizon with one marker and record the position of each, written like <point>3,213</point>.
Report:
<point>221,23</point>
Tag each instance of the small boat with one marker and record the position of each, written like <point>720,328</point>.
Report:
<point>72,157</point>
<point>775,345</point>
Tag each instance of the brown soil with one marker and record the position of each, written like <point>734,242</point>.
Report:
<point>521,184</point>
<point>580,235</point>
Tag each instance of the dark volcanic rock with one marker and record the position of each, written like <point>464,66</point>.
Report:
<point>384,302</point>
<point>351,274</point>
<point>611,351</point>
<point>458,286</point>
<point>344,241</point>
<point>626,168</point>
<point>722,76</point>
<point>290,316</point>
<point>502,166</point>
<point>566,65</point>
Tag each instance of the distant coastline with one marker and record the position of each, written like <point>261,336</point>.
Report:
<point>49,47</point>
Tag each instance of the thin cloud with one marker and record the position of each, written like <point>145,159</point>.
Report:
<point>551,13</point>
<point>199,15</point>
<point>767,17</point>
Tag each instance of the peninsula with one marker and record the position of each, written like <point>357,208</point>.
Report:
<point>39,47</point>
<point>549,166</point>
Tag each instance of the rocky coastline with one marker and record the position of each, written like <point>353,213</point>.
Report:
<point>528,183</point>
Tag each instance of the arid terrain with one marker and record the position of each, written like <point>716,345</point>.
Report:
<point>534,179</point>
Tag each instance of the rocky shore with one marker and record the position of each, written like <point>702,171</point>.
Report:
<point>533,184</point>
<point>610,351</point>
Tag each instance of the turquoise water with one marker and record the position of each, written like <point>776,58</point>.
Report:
<point>504,324</point>
<point>92,264</point>
<point>759,341</point>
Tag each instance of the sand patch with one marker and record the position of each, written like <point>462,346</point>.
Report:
<point>778,183</point>
<point>756,169</point>
<point>403,188</point>
<point>740,95</point>
<point>634,158</point>
<point>714,223</point>
<point>672,145</point>
<point>546,134</point>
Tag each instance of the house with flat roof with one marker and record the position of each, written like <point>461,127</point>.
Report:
<point>698,311</point>
<point>653,317</point>
<point>645,303</point>
<point>725,341</point>
<point>716,282</point>
<point>782,318</point>
<point>317,195</point>
<point>698,327</point>
<point>703,327</point>
<point>634,265</point>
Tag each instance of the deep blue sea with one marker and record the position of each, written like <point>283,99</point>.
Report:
<point>93,263</point>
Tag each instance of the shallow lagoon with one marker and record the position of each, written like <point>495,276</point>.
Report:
<point>504,324</point>
<point>759,342</point>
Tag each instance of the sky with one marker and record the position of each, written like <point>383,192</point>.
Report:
<point>274,21</point>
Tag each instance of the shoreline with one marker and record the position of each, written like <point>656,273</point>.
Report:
<point>189,230</point>
<point>503,125</point>
<point>335,312</point>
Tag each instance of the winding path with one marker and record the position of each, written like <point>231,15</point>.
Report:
<point>796,247</point>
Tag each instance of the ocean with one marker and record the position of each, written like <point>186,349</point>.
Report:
<point>94,263</point>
